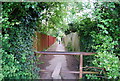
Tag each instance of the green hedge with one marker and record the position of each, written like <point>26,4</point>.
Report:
<point>18,27</point>
<point>101,34</point>
<point>20,20</point>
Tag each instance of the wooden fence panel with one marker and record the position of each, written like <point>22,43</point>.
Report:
<point>43,41</point>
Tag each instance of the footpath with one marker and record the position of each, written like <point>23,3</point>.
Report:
<point>55,65</point>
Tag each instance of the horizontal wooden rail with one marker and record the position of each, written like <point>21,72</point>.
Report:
<point>72,53</point>
<point>64,53</point>
<point>75,72</point>
<point>94,67</point>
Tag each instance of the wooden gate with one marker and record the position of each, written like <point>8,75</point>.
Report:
<point>81,72</point>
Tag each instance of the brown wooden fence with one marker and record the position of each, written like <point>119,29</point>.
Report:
<point>42,41</point>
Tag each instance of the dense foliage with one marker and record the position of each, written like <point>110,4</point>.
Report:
<point>101,34</point>
<point>18,26</point>
<point>107,38</point>
<point>52,18</point>
<point>19,23</point>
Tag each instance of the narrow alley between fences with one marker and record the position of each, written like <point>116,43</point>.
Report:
<point>58,66</point>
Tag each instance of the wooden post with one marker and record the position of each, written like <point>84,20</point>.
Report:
<point>80,67</point>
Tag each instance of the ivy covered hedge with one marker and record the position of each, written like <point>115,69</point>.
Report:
<point>107,38</point>
<point>101,34</point>
<point>18,27</point>
<point>19,22</point>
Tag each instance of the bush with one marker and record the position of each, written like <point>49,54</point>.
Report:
<point>101,35</point>
<point>18,60</point>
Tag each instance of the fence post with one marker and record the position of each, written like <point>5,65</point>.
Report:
<point>81,65</point>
